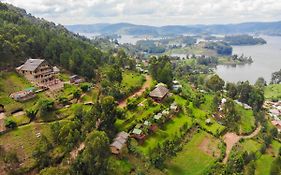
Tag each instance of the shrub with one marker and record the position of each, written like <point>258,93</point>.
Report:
<point>85,87</point>
<point>9,123</point>
<point>31,114</point>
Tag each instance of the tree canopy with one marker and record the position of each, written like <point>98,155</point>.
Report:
<point>161,69</point>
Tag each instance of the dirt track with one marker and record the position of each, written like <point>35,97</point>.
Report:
<point>139,92</point>
<point>232,138</point>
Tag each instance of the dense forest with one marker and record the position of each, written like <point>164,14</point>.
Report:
<point>25,36</point>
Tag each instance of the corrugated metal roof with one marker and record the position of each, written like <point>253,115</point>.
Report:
<point>31,64</point>
<point>159,92</point>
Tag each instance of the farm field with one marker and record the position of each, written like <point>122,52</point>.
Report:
<point>196,156</point>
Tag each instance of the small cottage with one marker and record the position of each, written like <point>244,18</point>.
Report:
<point>119,142</point>
<point>76,79</point>
<point>138,134</point>
<point>159,93</point>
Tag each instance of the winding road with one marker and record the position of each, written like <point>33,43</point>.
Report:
<point>139,92</point>
<point>232,138</point>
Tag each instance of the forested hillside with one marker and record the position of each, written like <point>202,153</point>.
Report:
<point>25,36</point>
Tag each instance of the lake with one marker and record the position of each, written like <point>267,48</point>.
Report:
<point>267,59</point>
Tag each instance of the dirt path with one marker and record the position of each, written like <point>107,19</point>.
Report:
<point>2,122</point>
<point>139,92</point>
<point>232,138</point>
<point>74,153</point>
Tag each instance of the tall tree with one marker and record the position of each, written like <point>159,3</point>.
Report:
<point>215,83</point>
<point>94,159</point>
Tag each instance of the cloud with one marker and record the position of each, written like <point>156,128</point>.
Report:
<point>153,12</point>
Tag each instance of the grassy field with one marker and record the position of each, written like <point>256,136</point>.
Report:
<point>264,161</point>
<point>90,96</point>
<point>251,145</point>
<point>263,165</point>
<point>131,81</point>
<point>23,140</point>
<point>275,147</point>
<point>20,120</point>
<point>247,123</point>
<point>196,157</point>
<point>273,91</point>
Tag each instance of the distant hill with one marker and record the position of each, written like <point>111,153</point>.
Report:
<point>269,28</point>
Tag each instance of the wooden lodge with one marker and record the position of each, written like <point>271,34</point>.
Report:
<point>39,73</point>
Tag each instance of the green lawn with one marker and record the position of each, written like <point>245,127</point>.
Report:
<point>90,96</point>
<point>20,120</point>
<point>276,146</point>
<point>263,165</point>
<point>193,159</point>
<point>251,145</point>
<point>273,91</point>
<point>131,81</point>
<point>247,123</point>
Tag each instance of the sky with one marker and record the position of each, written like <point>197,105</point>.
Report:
<point>152,12</point>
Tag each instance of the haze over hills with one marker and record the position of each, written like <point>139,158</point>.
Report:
<point>268,28</point>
